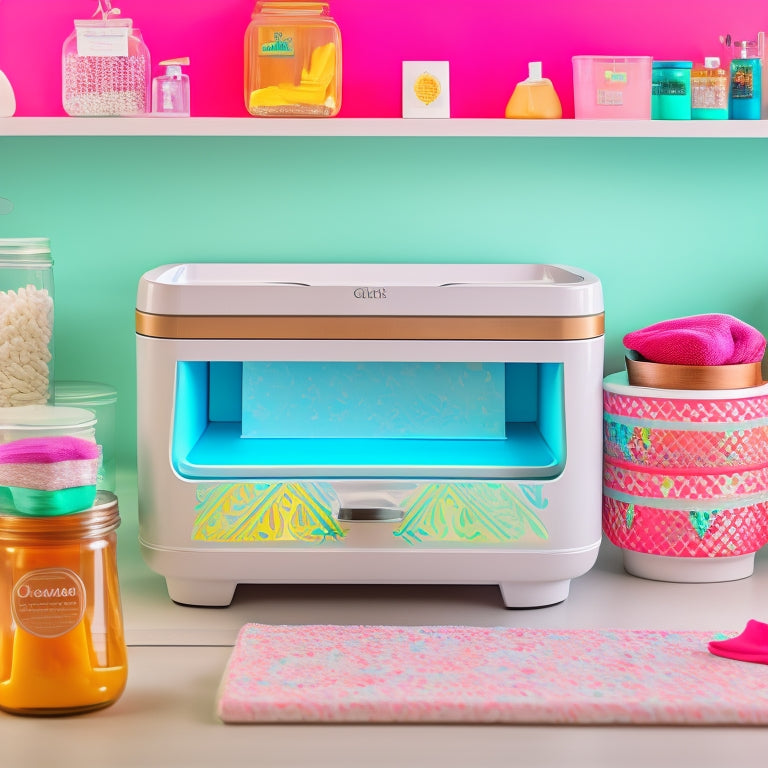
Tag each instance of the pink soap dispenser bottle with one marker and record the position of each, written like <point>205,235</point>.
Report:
<point>534,97</point>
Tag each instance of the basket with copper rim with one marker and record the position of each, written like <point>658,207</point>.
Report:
<point>645,373</point>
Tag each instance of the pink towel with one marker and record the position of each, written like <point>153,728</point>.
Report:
<point>698,340</point>
<point>48,450</point>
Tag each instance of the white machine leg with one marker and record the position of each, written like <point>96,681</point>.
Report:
<point>201,592</point>
<point>534,594</point>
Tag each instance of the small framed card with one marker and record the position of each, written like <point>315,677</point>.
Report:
<point>425,89</point>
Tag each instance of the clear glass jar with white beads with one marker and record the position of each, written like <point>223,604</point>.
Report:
<point>105,69</point>
<point>26,322</point>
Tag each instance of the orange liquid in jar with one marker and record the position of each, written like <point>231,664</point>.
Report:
<point>62,648</point>
<point>292,61</point>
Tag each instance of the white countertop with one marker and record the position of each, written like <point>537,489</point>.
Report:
<point>177,655</point>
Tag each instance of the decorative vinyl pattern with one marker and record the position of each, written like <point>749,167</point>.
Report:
<point>265,512</point>
<point>472,512</point>
<point>477,514</point>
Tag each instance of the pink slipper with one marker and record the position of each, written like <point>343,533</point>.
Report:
<point>750,645</point>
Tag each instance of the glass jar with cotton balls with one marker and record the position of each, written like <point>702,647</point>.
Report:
<point>26,321</point>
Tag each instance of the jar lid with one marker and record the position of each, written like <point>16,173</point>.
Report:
<point>39,417</point>
<point>672,64</point>
<point>98,519</point>
<point>27,251</point>
<point>84,393</point>
<point>35,245</point>
<point>110,22</point>
<point>297,7</point>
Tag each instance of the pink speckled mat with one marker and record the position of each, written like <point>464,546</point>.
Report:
<point>319,673</point>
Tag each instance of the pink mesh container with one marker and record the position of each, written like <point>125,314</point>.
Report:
<point>685,479</point>
<point>612,87</point>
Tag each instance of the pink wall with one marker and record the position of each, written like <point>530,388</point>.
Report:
<point>488,44</point>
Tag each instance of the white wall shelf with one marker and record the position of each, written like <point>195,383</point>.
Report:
<point>253,126</point>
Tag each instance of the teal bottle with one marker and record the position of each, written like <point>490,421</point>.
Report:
<point>671,90</point>
<point>745,92</point>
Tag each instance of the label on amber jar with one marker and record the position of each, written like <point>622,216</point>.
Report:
<point>49,602</point>
<point>276,42</point>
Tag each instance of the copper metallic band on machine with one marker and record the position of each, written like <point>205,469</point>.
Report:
<point>369,327</point>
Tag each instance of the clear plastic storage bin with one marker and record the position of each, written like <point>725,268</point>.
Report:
<point>292,61</point>
<point>612,87</point>
<point>106,70</point>
<point>100,399</point>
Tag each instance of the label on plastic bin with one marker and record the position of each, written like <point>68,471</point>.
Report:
<point>102,41</point>
<point>610,98</point>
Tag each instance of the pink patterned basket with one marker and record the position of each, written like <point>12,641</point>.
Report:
<point>685,474</point>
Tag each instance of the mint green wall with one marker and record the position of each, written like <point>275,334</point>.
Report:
<point>671,226</point>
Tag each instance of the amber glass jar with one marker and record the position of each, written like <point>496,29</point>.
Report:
<point>62,648</point>
<point>292,60</point>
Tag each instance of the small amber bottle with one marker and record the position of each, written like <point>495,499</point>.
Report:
<point>62,648</point>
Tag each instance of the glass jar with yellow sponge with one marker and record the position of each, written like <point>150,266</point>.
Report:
<point>292,60</point>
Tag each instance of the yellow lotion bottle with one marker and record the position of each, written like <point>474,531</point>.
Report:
<point>534,97</point>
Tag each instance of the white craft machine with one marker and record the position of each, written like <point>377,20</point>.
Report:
<point>369,423</point>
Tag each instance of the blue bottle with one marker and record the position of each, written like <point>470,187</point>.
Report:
<point>745,93</point>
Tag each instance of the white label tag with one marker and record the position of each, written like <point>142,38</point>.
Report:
<point>102,41</point>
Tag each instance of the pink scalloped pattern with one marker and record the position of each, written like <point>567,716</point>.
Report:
<point>727,532</point>
<point>649,484</point>
<point>699,410</point>
<point>386,674</point>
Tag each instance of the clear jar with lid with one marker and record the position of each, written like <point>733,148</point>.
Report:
<point>709,90</point>
<point>101,400</point>
<point>20,422</point>
<point>106,69</point>
<point>26,321</point>
<point>292,60</point>
<point>62,647</point>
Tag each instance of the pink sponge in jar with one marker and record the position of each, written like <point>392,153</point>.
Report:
<point>47,476</point>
